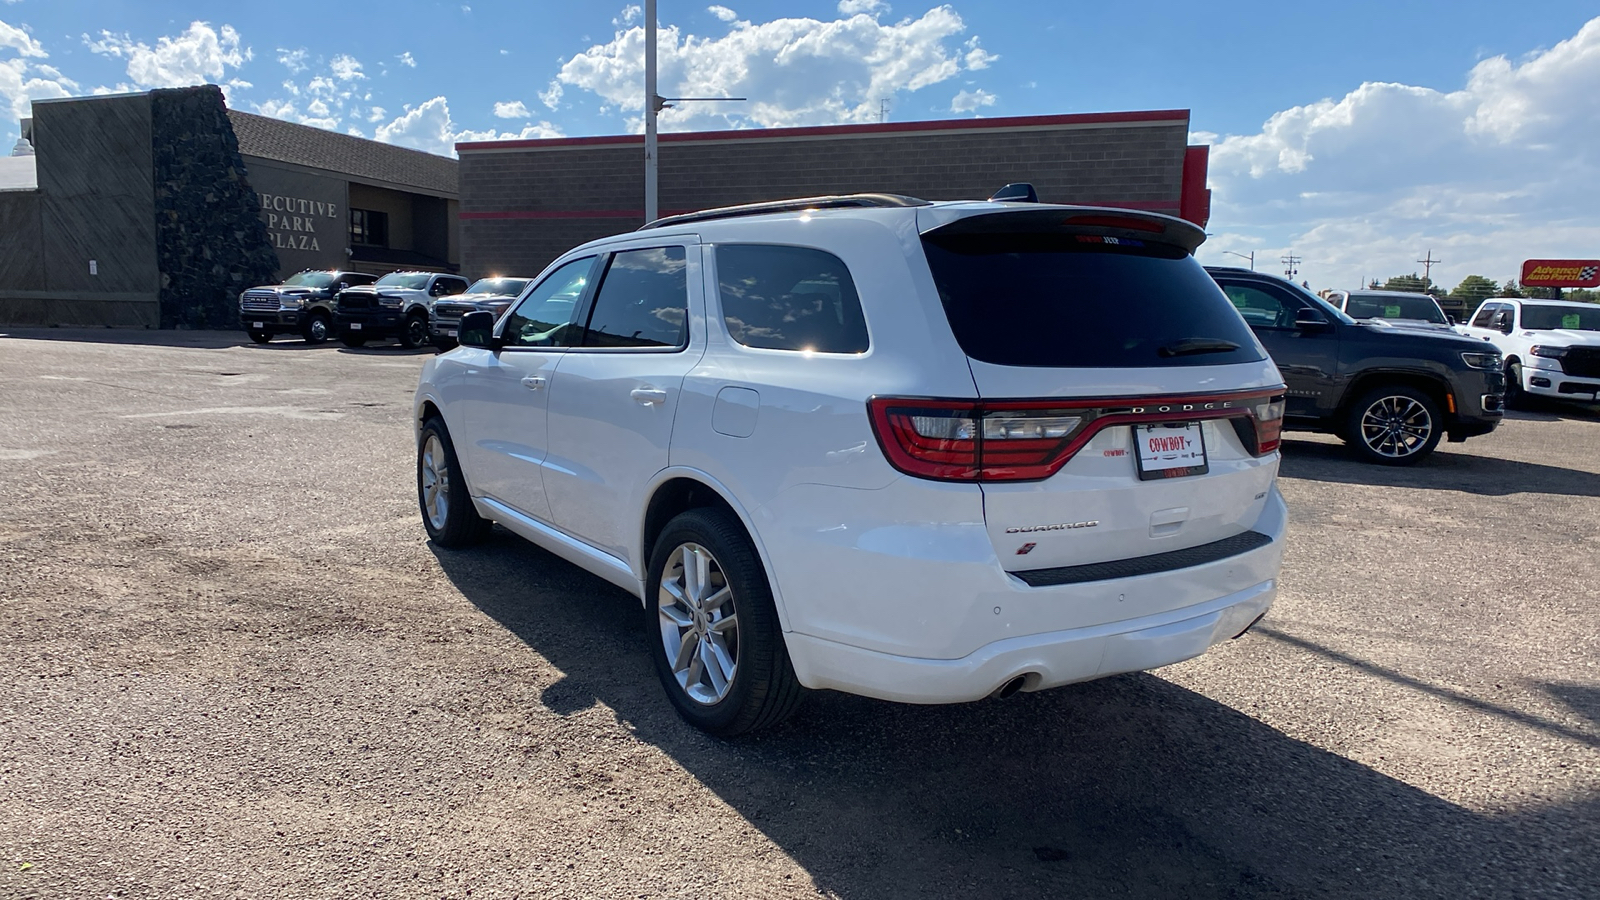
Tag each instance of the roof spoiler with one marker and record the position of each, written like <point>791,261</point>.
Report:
<point>799,204</point>
<point>1127,224</point>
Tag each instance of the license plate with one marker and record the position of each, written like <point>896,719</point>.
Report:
<point>449,332</point>
<point>1169,451</point>
<point>355,326</point>
<point>258,324</point>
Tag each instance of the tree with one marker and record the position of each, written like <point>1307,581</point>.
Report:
<point>1582,295</point>
<point>1511,289</point>
<point>1411,283</point>
<point>1475,289</point>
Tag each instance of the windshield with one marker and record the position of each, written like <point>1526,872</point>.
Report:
<point>1571,318</point>
<point>310,279</point>
<point>1082,301</point>
<point>512,286</point>
<point>1419,307</point>
<point>413,280</point>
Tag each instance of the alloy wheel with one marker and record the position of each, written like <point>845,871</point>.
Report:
<point>435,483</point>
<point>1396,426</point>
<point>318,329</point>
<point>699,624</point>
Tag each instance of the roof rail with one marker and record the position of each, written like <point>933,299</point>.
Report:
<point>834,201</point>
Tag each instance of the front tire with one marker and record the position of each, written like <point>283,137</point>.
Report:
<point>1516,397</point>
<point>352,340</point>
<point>260,337</point>
<point>713,628</point>
<point>1394,426</point>
<point>447,510</point>
<point>415,332</point>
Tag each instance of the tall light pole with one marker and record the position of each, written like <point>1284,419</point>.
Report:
<point>1251,257</point>
<point>651,99</point>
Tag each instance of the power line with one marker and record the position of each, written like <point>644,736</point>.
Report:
<point>1427,266</point>
<point>1291,265</point>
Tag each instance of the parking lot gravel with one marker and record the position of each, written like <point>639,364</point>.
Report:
<point>234,667</point>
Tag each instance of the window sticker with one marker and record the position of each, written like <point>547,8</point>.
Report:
<point>1572,321</point>
<point>1391,312</point>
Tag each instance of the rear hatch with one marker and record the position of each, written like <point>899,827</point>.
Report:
<point>1126,409</point>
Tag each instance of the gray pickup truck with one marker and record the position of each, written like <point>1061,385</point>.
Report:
<point>492,294</point>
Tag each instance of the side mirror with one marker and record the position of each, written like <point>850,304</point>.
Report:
<point>344,285</point>
<point>1310,320</point>
<point>1451,319</point>
<point>477,330</point>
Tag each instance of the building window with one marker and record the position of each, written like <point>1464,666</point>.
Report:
<point>369,227</point>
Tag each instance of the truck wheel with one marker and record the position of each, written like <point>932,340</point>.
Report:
<point>260,337</point>
<point>415,332</point>
<point>316,329</point>
<point>713,630</point>
<point>1516,397</point>
<point>447,510</point>
<point>1393,426</point>
<point>352,340</point>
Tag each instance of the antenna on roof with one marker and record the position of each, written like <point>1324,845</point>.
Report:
<point>1016,192</point>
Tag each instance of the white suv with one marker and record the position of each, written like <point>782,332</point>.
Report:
<point>1551,347</point>
<point>926,452</point>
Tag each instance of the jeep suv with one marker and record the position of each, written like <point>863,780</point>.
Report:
<point>492,294</point>
<point>302,304</point>
<point>925,452</point>
<point>394,306</point>
<point>1391,390</point>
<point>1551,347</point>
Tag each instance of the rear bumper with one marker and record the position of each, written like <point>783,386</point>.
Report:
<point>1042,660</point>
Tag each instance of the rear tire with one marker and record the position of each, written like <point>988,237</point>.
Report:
<point>1393,426</point>
<point>713,630</point>
<point>447,511</point>
<point>316,329</point>
<point>415,332</point>
<point>260,337</point>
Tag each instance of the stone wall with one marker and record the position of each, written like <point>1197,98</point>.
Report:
<point>210,240</point>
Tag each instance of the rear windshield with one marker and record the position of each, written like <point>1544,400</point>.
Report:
<point>1389,306</point>
<point>1080,301</point>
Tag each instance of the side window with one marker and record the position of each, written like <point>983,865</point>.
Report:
<point>1259,308</point>
<point>1485,316</point>
<point>544,317</point>
<point>789,298</point>
<point>453,286</point>
<point>355,278</point>
<point>643,301</point>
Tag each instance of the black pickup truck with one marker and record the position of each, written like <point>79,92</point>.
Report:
<point>1389,390</point>
<point>302,304</point>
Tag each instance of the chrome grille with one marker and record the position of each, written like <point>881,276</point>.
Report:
<point>452,310</point>
<point>259,301</point>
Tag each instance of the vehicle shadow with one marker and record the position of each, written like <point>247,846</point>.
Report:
<point>205,340</point>
<point>1130,786</point>
<point>1445,471</point>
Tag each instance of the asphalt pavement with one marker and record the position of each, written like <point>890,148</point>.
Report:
<point>234,667</point>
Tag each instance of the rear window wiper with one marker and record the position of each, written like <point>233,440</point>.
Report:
<point>1192,346</point>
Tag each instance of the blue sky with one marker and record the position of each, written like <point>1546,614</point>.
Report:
<point>1359,135</point>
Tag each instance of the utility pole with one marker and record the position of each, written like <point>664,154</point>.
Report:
<point>1291,265</point>
<point>883,110</point>
<point>1428,263</point>
<point>651,108</point>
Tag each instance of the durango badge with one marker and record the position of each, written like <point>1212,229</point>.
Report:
<point>1064,526</point>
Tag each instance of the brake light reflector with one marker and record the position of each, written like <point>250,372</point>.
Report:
<point>1268,417</point>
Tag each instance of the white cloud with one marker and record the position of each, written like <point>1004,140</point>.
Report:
<point>199,55</point>
<point>294,60</point>
<point>428,126</point>
<point>512,109</point>
<point>19,40</point>
<point>407,60</point>
<point>971,101</point>
<point>551,96</point>
<point>376,114</point>
<point>858,7</point>
<point>346,68</point>
<point>1501,170</point>
<point>629,15</point>
<point>977,57</point>
<point>723,13</point>
<point>797,71</point>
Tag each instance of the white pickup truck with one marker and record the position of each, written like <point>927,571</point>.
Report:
<point>1551,347</point>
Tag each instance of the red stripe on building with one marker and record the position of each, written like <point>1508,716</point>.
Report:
<point>1155,205</point>
<point>746,134</point>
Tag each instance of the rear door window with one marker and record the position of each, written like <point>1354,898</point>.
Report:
<point>643,301</point>
<point>1082,301</point>
<point>789,298</point>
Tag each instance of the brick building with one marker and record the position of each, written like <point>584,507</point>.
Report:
<point>156,209</point>
<point>525,202</point>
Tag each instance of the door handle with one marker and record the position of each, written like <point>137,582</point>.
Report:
<point>533,382</point>
<point>648,396</point>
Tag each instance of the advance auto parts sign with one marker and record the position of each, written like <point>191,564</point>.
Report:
<point>1561,273</point>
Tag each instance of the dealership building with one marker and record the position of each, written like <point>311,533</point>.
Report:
<point>156,209</point>
<point>525,202</point>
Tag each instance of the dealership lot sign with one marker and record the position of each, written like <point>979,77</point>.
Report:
<point>1561,273</point>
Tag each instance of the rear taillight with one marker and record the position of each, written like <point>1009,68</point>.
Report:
<point>1030,440</point>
